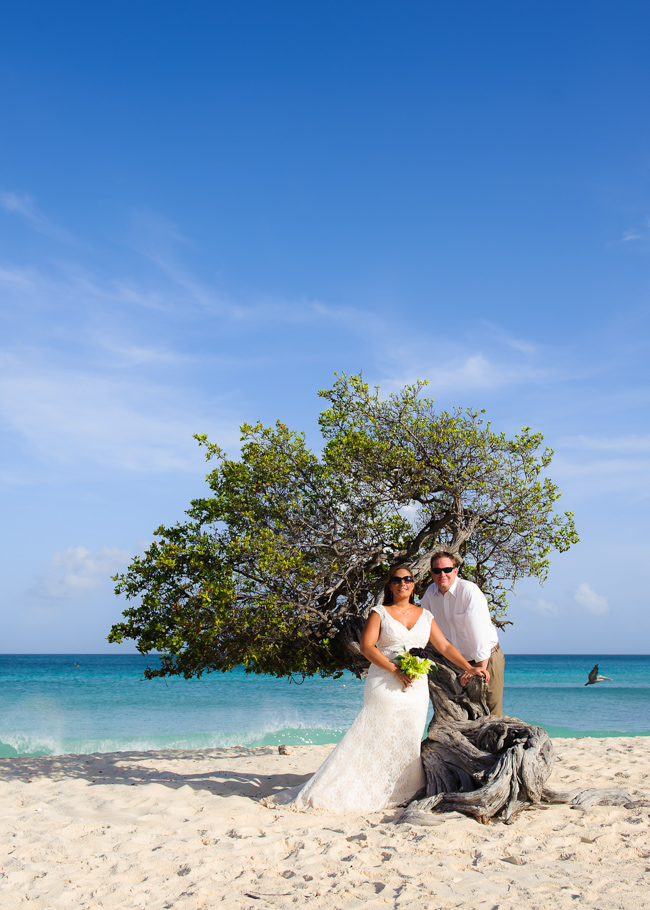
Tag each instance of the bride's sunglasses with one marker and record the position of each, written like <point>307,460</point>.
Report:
<point>401,579</point>
<point>447,570</point>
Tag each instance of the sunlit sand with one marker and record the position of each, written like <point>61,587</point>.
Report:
<point>187,830</point>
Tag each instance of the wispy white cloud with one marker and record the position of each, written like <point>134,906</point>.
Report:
<point>488,358</point>
<point>110,371</point>
<point>354,317</point>
<point>75,418</point>
<point>25,207</point>
<point>523,345</point>
<point>19,280</point>
<point>631,444</point>
<point>590,600</point>
<point>637,233</point>
<point>77,571</point>
<point>168,287</point>
<point>604,465</point>
<point>157,240</point>
<point>545,607</point>
<point>92,285</point>
<point>603,476</point>
<point>68,286</point>
<point>522,598</point>
<point>130,354</point>
<point>193,290</point>
<point>467,370</point>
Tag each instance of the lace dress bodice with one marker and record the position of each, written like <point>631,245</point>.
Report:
<point>394,636</point>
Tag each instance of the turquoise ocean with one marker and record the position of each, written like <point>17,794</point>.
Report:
<point>66,703</point>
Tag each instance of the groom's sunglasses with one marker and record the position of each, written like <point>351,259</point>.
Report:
<point>447,570</point>
<point>401,579</point>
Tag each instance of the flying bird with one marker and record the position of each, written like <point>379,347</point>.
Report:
<point>594,677</point>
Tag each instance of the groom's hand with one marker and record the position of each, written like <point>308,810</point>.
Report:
<point>465,678</point>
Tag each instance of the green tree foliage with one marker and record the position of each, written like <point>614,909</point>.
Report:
<point>274,569</point>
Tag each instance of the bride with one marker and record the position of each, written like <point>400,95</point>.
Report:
<point>377,763</point>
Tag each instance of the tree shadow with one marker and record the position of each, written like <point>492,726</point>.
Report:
<point>160,767</point>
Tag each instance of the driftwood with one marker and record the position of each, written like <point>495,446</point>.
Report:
<point>483,765</point>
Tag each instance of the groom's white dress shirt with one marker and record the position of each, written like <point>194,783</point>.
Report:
<point>464,618</point>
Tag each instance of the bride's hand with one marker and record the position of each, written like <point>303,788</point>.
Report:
<point>405,680</point>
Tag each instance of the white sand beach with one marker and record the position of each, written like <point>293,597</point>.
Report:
<point>186,830</point>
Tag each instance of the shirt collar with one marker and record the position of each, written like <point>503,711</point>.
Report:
<point>452,590</point>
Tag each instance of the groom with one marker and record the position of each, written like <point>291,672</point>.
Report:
<point>461,610</point>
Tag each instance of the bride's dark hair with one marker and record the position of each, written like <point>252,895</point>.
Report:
<point>388,591</point>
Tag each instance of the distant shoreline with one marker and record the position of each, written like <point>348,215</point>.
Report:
<point>8,751</point>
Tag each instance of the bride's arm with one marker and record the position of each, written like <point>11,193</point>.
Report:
<point>369,649</point>
<point>446,648</point>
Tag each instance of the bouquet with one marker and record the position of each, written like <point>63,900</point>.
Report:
<point>415,663</point>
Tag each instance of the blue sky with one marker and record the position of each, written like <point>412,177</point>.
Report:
<point>206,209</point>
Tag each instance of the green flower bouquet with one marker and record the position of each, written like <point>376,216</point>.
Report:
<point>415,663</point>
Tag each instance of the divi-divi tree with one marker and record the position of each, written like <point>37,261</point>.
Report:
<point>277,567</point>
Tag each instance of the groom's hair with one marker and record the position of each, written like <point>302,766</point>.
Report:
<point>442,552</point>
<point>388,591</point>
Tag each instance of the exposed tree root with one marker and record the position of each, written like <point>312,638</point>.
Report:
<point>487,766</point>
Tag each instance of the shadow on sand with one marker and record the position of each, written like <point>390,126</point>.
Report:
<point>139,768</point>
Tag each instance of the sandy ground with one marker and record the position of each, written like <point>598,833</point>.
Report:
<point>186,830</point>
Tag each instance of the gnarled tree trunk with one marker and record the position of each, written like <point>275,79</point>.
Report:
<point>484,765</point>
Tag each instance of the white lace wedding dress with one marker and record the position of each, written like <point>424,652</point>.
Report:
<point>377,763</point>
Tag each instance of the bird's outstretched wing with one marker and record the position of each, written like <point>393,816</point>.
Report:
<point>592,676</point>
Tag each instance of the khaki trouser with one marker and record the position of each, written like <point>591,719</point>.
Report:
<point>496,667</point>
